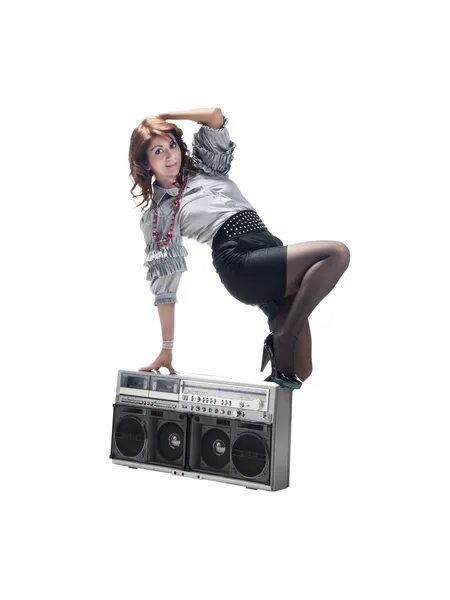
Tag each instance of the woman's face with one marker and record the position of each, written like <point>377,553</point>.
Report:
<point>164,157</point>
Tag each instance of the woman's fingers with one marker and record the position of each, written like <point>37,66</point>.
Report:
<point>156,366</point>
<point>149,368</point>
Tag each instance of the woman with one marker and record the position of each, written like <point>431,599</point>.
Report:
<point>193,196</point>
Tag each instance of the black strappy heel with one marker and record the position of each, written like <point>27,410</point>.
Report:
<point>282,379</point>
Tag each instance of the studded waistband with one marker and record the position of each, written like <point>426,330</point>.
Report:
<point>240,223</point>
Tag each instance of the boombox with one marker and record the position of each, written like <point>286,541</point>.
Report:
<point>204,427</point>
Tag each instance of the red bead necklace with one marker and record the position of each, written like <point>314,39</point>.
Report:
<point>175,205</point>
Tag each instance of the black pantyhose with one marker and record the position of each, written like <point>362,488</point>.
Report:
<point>316,283</point>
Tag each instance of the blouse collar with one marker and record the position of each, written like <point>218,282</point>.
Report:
<point>159,192</point>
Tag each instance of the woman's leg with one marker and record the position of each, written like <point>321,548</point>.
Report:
<point>312,271</point>
<point>302,352</point>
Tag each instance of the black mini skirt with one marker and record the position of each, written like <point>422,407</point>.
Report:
<point>251,262</point>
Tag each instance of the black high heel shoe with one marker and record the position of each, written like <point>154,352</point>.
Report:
<point>282,379</point>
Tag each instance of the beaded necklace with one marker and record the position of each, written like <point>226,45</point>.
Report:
<point>175,206</point>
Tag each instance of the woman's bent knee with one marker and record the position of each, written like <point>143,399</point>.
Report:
<point>342,254</point>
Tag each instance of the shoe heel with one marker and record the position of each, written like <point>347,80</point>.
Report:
<point>267,352</point>
<point>265,359</point>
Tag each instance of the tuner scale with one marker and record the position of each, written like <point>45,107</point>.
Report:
<point>210,396</point>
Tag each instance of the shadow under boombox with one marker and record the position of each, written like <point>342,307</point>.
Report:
<point>204,427</point>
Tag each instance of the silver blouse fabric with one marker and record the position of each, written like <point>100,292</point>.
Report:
<point>209,199</point>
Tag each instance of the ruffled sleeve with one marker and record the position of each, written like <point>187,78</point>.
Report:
<point>212,149</point>
<point>165,267</point>
<point>165,288</point>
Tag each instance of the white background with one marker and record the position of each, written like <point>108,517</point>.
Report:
<point>340,115</point>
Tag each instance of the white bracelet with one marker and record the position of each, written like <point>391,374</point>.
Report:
<point>168,344</point>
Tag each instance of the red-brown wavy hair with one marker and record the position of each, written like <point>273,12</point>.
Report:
<point>140,172</point>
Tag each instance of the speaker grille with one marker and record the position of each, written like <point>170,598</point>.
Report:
<point>249,455</point>
<point>216,448</point>
<point>170,441</point>
<point>130,436</point>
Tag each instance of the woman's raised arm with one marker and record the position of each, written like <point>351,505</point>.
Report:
<point>206,116</point>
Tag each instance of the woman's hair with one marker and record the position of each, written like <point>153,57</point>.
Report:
<point>140,172</point>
